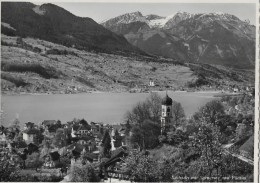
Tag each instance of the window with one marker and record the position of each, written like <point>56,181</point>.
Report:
<point>168,109</point>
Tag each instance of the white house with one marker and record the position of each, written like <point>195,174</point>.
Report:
<point>29,135</point>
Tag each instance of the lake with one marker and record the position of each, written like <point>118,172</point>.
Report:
<point>99,107</point>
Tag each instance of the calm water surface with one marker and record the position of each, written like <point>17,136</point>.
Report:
<point>100,107</point>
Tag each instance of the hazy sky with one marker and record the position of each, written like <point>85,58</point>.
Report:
<point>102,11</point>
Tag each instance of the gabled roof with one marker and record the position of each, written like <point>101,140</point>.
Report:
<point>82,127</point>
<point>118,152</point>
<point>75,147</point>
<point>116,156</point>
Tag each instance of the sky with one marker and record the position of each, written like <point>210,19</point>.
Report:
<point>103,11</point>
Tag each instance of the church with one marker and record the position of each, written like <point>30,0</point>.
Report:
<point>166,115</point>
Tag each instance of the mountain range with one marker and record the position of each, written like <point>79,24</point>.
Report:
<point>53,23</point>
<point>48,49</point>
<point>211,38</point>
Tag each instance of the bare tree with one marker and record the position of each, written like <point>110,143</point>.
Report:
<point>177,112</point>
<point>149,109</point>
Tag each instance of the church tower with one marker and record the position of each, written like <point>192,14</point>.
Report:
<point>166,116</point>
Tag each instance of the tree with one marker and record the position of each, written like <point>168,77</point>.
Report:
<point>177,112</point>
<point>33,160</point>
<point>211,112</point>
<point>154,101</point>
<point>38,138</point>
<point>176,137</point>
<point>145,168</point>
<point>212,122</point>
<point>19,137</point>
<point>127,128</point>
<point>208,143</point>
<point>15,124</point>
<point>46,142</point>
<point>8,171</point>
<point>60,139</point>
<point>146,135</point>
<point>149,109</point>
<point>84,173</point>
<point>142,168</point>
<point>85,123</point>
<point>106,144</point>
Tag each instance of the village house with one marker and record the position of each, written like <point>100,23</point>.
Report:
<point>30,135</point>
<point>114,166</point>
<point>82,131</point>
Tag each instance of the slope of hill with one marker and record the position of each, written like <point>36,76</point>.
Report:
<point>37,66</point>
<point>213,38</point>
<point>34,65</point>
<point>52,23</point>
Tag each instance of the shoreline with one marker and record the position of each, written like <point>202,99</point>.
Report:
<point>101,92</point>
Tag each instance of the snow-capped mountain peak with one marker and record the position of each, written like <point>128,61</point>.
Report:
<point>155,21</point>
<point>126,18</point>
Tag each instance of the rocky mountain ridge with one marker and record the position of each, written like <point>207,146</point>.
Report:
<point>212,38</point>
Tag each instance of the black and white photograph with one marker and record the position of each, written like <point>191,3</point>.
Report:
<point>141,91</point>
